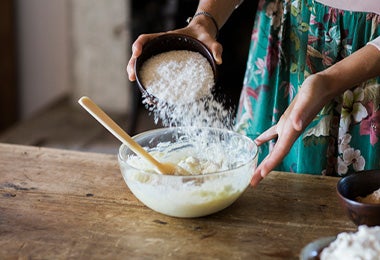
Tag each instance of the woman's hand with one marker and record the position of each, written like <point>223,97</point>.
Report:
<point>201,27</point>
<point>195,30</point>
<point>316,91</point>
<point>312,97</point>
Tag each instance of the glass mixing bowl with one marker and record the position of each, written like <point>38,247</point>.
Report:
<point>233,157</point>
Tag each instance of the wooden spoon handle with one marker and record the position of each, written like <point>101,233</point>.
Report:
<point>117,131</point>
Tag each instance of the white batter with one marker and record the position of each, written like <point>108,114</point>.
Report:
<point>199,194</point>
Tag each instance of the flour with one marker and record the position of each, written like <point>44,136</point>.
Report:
<point>206,112</point>
<point>185,158</point>
<point>197,166</point>
<point>178,76</point>
<point>183,89</point>
<point>198,152</point>
<point>373,198</point>
<point>364,244</point>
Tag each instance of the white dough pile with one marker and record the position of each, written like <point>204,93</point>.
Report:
<point>364,245</point>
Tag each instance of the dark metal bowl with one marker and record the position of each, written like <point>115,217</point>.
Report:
<point>360,184</point>
<point>169,42</point>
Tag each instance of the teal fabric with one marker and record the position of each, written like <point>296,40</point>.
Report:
<point>292,39</point>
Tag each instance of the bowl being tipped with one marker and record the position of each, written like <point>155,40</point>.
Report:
<point>196,195</point>
<point>170,42</point>
<point>355,185</point>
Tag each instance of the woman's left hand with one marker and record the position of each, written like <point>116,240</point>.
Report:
<point>311,98</point>
<point>316,91</point>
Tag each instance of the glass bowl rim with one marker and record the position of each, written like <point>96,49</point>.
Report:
<point>123,147</point>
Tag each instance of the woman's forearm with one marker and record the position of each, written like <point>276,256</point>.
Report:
<point>362,65</point>
<point>220,10</point>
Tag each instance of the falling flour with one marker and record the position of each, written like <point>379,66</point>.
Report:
<point>182,82</point>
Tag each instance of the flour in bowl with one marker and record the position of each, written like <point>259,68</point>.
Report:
<point>364,245</point>
<point>373,198</point>
<point>182,82</point>
<point>171,75</point>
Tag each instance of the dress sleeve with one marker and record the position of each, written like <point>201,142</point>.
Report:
<point>375,42</point>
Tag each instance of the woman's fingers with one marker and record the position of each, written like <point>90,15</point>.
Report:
<point>286,137</point>
<point>266,136</point>
<point>217,49</point>
<point>268,164</point>
<point>131,69</point>
<point>137,47</point>
<point>256,178</point>
<point>278,153</point>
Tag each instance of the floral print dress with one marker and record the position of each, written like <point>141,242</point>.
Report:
<point>291,40</point>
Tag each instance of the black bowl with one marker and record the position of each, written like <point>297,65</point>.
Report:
<point>355,185</point>
<point>169,42</point>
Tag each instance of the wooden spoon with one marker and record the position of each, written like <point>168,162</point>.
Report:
<point>119,133</point>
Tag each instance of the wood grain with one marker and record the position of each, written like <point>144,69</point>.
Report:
<point>61,204</point>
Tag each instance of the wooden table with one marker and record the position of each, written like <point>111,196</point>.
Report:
<point>60,204</point>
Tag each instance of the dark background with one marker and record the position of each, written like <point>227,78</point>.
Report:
<point>8,77</point>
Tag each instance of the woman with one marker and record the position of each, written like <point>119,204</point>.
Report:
<point>311,90</point>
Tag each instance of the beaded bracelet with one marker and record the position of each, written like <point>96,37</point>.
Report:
<point>240,2</point>
<point>208,15</point>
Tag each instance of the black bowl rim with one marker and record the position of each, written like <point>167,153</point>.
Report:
<point>174,36</point>
<point>356,175</point>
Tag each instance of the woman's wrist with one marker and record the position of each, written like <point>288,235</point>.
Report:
<point>205,20</point>
<point>330,84</point>
<point>218,11</point>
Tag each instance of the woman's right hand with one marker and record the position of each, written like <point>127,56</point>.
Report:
<point>196,30</point>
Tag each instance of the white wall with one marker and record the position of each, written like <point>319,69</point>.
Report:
<point>73,48</point>
<point>43,56</point>
<point>100,42</point>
